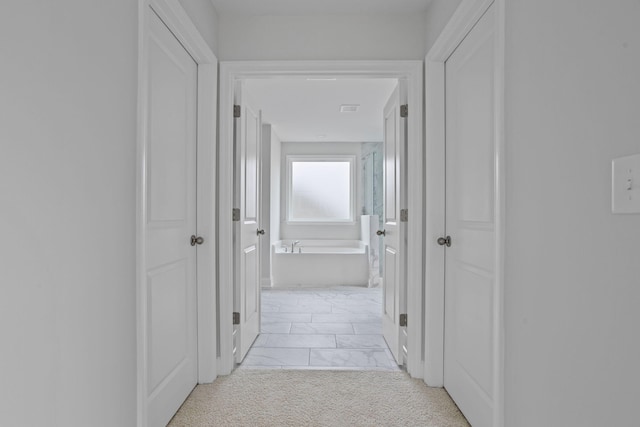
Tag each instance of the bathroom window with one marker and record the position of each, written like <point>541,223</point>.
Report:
<point>320,188</point>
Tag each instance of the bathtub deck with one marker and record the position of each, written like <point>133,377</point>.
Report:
<point>330,328</point>
<point>319,263</point>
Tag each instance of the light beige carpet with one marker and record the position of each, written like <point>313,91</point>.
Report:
<point>318,398</point>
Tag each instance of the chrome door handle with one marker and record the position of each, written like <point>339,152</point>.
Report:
<point>196,240</point>
<point>381,232</point>
<point>442,241</point>
<point>260,232</point>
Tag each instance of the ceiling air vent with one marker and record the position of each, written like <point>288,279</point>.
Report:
<point>349,108</point>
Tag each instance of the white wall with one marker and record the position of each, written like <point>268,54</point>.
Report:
<point>573,268</point>
<point>328,231</point>
<point>67,213</point>
<point>352,37</point>
<point>205,18</point>
<point>438,14</point>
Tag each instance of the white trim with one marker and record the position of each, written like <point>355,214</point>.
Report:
<point>412,71</point>
<point>141,306</point>
<point>265,283</point>
<point>501,217</point>
<point>463,20</point>
<point>206,214</point>
<point>177,20</point>
<point>435,223</point>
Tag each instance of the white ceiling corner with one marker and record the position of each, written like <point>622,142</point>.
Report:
<point>302,110</point>
<point>319,7</point>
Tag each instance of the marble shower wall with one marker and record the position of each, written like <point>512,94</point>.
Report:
<point>372,179</point>
<point>372,163</point>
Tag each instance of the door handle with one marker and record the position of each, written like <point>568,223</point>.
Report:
<point>196,240</point>
<point>442,241</point>
<point>381,232</point>
<point>260,232</point>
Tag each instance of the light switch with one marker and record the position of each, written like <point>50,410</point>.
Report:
<point>625,195</point>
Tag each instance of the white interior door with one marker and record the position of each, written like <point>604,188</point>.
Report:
<point>394,232</point>
<point>248,129</point>
<point>471,224</point>
<point>169,221</point>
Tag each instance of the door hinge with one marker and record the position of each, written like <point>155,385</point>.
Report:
<point>236,111</point>
<point>403,320</point>
<point>404,215</point>
<point>236,318</point>
<point>235,214</point>
<point>404,110</point>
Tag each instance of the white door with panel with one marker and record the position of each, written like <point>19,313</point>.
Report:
<point>169,214</point>
<point>394,231</point>
<point>470,242</point>
<point>248,231</point>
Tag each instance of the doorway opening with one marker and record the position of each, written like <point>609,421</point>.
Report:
<point>339,323</point>
<point>321,202</point>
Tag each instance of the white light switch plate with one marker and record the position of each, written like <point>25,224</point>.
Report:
<point>625,191</point>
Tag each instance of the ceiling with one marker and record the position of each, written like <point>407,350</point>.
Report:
<point>304,110</point>
<point>319,7</point>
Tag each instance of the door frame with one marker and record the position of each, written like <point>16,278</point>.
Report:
<point>179,23</point>
<point>462,21</point>
<point>412,71</point>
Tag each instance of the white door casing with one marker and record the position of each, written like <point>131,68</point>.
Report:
<point>394,232</point>
<point>248,137</point>
<point>412,72</point>
<point>470,261</point>
<point>169,221</point>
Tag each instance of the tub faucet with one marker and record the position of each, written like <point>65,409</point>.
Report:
<point>293,244</point>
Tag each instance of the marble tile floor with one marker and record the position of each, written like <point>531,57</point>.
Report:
<point>338,328</point>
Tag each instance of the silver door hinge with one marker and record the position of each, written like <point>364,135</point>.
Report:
<point>403,320</point>
<point>235,214</point>
<point>404,110</point>
<point>236,111</point>
<point>404,215</point>
<point>236,318</point>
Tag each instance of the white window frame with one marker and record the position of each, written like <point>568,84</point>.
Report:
<point>353,196</point>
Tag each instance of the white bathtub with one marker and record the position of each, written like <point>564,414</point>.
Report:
<point>319,263</point>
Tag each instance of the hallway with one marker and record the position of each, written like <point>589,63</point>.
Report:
<point>76,287</point>
<point>334,328</point>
